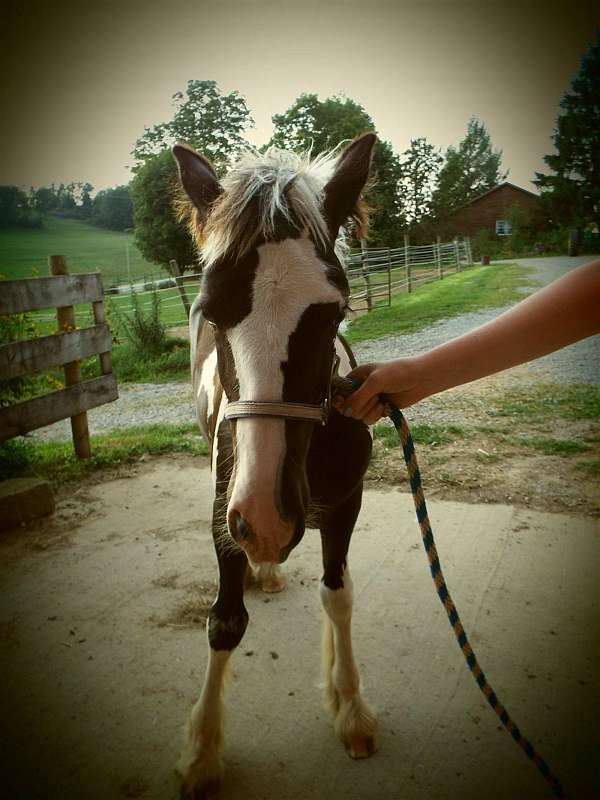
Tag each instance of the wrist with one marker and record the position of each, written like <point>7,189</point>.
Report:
<point>425,376</point>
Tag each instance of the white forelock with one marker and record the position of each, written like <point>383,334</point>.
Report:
<point>284,183</point>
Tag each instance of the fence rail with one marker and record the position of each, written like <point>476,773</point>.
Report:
<point>65,348</point>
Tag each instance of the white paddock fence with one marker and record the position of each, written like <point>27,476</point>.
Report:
<point>374,274</point>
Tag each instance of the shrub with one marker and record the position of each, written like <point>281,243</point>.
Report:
<point>145,331</point>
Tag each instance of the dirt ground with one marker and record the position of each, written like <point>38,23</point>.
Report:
<point>103,649</point>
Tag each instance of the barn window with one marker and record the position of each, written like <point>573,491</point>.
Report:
<point>503,227</point>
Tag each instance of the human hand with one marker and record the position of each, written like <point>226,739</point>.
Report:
<point>395,382</point>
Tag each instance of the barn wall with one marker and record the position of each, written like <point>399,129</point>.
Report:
<point>484,212</point>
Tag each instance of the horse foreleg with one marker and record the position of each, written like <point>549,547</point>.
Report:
<point>200,764</point>
<point>355,723</point>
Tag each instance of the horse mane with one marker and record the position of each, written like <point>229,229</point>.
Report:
<point>260,190</point>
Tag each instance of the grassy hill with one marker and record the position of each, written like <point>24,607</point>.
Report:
<point>24,253</point>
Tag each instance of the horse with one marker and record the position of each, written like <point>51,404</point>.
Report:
<point>264,347</point>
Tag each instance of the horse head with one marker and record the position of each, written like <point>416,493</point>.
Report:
<point>274,292</point>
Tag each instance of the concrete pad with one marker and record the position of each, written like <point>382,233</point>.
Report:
<point>24,499</point>
<point>94,693</point>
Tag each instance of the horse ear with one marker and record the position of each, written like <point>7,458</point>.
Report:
<point>197,176</point>
<point>343,190</point>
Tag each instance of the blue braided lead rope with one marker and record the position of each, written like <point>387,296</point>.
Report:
<point>440,584</point>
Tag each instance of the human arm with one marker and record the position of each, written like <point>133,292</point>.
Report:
<point>558,315</point>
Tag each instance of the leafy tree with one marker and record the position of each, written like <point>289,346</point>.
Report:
<point>85,200</point>
<point>65,199</point>
<point>420,168</point>
<point>320,125</point>
<point>44,199</point>
<point>469,170</point>
<point>211,122</point>
<point>113,209</point>
<point>158,235</point>
<point>573,192</point>
<point>15,210</point>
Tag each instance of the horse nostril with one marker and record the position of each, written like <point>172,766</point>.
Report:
<point>241,530</point>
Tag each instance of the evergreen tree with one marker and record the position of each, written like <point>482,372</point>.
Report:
<point>573,192</point>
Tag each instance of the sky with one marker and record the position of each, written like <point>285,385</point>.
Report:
<point>81,80</point>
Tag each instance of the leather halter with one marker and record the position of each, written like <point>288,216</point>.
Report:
<point>308,412</point>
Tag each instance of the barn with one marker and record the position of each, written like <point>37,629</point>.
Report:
<point>488,211</point>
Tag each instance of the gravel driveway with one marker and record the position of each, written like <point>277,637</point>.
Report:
<point>147,404</point>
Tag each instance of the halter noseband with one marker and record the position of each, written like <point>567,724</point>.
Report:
<point>239,409</point>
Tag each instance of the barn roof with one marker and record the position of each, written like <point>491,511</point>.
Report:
<point>491,191</point>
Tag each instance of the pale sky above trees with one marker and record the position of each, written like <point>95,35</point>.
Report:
<point>81,80</point>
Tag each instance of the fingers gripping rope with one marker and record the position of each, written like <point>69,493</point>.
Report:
<point>344,387</point>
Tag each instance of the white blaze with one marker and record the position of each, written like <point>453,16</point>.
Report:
<point>289,278</point>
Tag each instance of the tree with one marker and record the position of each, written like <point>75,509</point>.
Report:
<point>158,235</point>
<point>320,125</point>
<point>113,209</point>
<point>15,210</point>
<point>420,167</point>
<point>468,171</point>
<point>211,122</point>
<point>85,200</point>
<point>44,199</point>
<point>573,192</point>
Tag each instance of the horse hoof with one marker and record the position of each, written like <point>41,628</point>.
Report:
<point>362,746</point>
<point>208,791</point>
<point>273,584</point>
<point>270,578</point>
<point>200,775</point>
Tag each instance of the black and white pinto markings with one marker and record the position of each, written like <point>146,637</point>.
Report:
<point>265,328</point>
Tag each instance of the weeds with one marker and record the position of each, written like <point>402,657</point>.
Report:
<point>145,332</point>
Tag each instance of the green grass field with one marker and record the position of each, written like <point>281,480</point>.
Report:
<point>24,253</point>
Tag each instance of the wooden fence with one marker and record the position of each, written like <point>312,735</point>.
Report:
<point>65,348</point>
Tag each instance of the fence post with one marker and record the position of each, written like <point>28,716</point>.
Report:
<point>365,275</point>
<point>389,277</point>
<point>438,251</point>
<point>178,275</point>
<point>99,318</point>
<point>407,263</point>
<point>66,321</point>
<point>457,254</point>
<point>469,251</point>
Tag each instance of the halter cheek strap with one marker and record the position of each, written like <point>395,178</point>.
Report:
<point>238,409</point>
